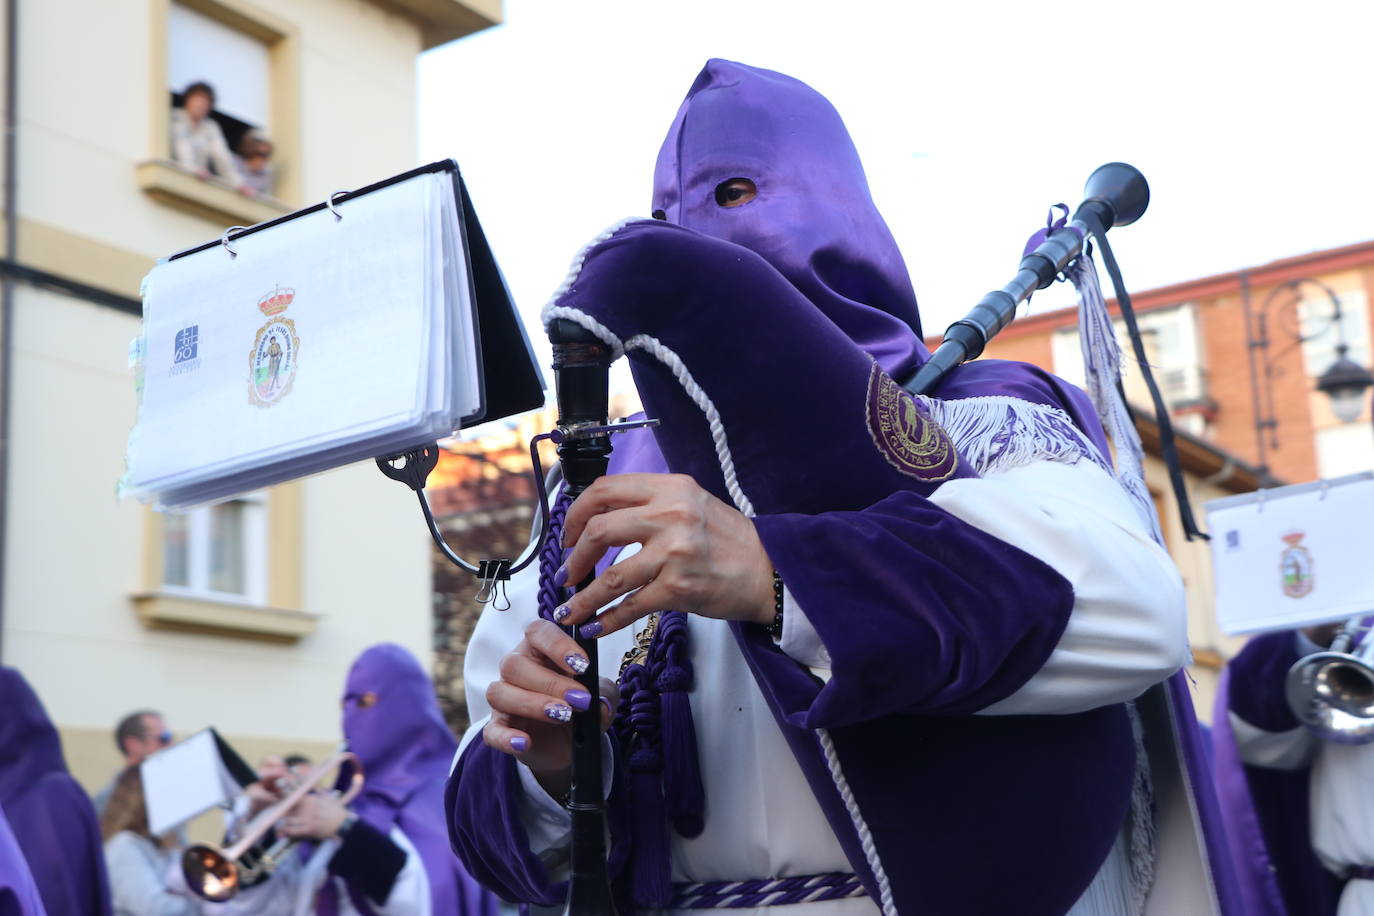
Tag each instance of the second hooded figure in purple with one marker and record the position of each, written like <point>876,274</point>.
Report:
<point>387,854</point>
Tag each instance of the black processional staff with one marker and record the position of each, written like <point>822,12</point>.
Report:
<point>1116,194</point>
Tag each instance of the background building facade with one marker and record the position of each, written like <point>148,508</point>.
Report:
<point>245,616</point>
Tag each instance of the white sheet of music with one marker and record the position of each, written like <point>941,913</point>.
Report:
<point>323,341</point>
<point>185,780</point>
<point>1293,556</point>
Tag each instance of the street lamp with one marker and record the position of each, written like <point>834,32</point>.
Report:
<point>1345,381</point>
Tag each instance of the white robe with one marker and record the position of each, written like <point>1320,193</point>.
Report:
<point>293,887</point>
<point>1126,633</point>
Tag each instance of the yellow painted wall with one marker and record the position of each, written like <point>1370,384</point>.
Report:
<point>75,554</point>
<point>1194,561</point>
<point>85,114</point>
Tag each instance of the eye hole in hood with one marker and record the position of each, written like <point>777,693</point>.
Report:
<point>735,192</point>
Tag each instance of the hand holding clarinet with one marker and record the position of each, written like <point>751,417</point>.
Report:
<point>697,555</point>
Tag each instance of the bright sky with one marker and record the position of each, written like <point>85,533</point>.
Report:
<point>1252,122</point>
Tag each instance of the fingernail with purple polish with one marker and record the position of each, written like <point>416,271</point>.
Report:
<point>519,744</point>
<point>561,613</point>
<point>560,578</point>
<point>578,699</point>
<point>558,712</point>
<point>577,663</point>
<point>605,701</point>
<point>591,630</point>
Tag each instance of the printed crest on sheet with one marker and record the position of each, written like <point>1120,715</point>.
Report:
<point>272,361</point>
<point>911,442</point>
<point>1295,566</point>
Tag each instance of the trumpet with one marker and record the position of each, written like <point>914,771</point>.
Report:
<point>1332,692</point>
<point>218,874</point>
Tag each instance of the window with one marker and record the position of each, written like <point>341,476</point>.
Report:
<point>238,161</point>
<point>200,48</point>
<point>202,51</point>
<point>218,551</point>
<point>1172,347</point>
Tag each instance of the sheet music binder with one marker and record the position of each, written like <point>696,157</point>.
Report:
<point>511,380</point>
<point>404,327</point>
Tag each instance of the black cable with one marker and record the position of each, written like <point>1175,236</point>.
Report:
<point>1167,446</point>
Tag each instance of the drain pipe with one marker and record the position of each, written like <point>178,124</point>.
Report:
<point>7,282</point>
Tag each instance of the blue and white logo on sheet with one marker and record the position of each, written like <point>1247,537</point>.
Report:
<point>186,349</point>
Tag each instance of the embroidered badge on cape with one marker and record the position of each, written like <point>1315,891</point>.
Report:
<point>1295,566</point>
<point>272,361</point>
<point>911,442</point>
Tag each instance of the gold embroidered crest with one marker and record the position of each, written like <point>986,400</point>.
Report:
<point>910,441</point>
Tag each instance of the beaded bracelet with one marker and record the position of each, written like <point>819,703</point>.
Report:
<point>775,628</point>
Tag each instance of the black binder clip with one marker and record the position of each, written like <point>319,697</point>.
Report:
<point>493,574</point>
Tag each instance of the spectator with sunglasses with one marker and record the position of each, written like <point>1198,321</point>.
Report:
<point>138,736</point>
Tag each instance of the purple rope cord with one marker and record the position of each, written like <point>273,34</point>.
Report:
<point>551,557</point>
<point>654,729</point>
<point>714,895</point>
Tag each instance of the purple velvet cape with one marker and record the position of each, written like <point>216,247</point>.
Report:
<point>406,748</point>
<point>48,811</point>
<point>1267,811</point>
<point>755,301</point>
<point>18,892</point>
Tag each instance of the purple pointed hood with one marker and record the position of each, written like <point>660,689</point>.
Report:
<point>814,219</point>
<point>402,739</point>
<point>29,747</point>
<point>405,748</point>
<point>51,816</point>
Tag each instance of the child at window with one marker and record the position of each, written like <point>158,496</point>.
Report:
<point>255,161</point>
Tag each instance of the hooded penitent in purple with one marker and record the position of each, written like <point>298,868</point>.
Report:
<point>406,748</point>
<point>1268,811</point>
<point>18,892</point>
<point>766,338</point>
<point>49,813</point>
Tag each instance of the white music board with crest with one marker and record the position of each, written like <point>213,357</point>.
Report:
<point>1293,556</point>
<point>355,328</point>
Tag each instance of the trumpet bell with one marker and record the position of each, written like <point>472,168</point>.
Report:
<point>209,873</point>
<point>1332,693</point>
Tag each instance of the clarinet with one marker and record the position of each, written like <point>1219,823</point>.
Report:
<point>581,366</point>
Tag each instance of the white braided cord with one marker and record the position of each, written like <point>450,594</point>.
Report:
<point>656,349</point>
<point>575,268</point>
<point>663,354</point>
<point>678,368</point>
<point>870,848</point>
<point>579,317</point>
